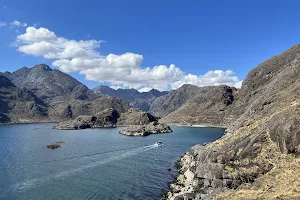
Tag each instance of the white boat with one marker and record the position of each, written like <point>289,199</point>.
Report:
<point>158,143</point>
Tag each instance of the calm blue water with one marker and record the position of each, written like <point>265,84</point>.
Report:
<point>92,163</point>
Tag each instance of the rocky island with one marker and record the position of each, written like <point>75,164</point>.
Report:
<point>139,123</point>
<point>145,130</point>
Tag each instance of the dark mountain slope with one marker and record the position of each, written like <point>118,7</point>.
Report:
<point>20,105</point>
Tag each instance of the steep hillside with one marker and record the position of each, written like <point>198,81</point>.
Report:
<point>20,105</point>
<point>170,102</point>
<point>209,107</point>
<point>259,156</point>
<point>49,84</point>
<point>136,99</point>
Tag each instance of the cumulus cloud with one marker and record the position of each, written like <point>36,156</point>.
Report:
<point>18,24</point>
<point>42,42</point>
<point>121,71</point>
<point>216,77</point>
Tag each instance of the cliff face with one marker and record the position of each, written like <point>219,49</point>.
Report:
<point>259,156</point>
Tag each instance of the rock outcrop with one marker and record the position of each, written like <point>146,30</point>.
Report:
<point>258,158</point>
<point>136,99</point>
<point>135,116</point>
<point>145,130</point>
<point>105,119</point>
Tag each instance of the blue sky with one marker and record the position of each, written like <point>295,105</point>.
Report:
<point>200,42</point>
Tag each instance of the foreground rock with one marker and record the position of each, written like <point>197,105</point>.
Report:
<point>104,119</point>
<point>53,146</point>
<point>145,130</point>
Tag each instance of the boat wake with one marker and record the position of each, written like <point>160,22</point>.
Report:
<point>121,155</point>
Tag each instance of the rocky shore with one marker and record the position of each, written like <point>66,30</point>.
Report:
<point>145,130</point>
<point>192,183</point>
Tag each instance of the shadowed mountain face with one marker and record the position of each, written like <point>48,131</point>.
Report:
<point>49,84</point>
<point>137,99</point>
<point>20,105</point>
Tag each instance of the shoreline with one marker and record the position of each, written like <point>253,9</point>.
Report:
<point>199,126</point>
<point>186,182</point>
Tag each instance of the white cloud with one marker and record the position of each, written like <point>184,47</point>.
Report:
<point>121,71</point>
<point>18,24</point>
<point>145,89</point>
<point>3,24</point>
<point>115,87</point>
<point>238,84</point>
<point>42,42</point>
<point>216,77</point>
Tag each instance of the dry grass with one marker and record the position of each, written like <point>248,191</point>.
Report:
<point>282,182</point>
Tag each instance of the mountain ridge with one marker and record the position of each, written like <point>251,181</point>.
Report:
<point>136,99</point>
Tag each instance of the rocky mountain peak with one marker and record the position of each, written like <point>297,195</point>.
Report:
<point>43,67</point>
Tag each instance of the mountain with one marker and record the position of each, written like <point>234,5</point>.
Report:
<point>208,105</point>
<point>49,84</point>
<point>50,95</point>
<point>135,98</point>
<point>258,158</point>
<point>20,105</point>
<point>170,102</point>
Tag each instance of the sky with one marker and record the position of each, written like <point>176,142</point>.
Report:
<point>147,44</point>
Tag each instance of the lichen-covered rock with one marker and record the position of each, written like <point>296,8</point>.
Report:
<point>145,130</point>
